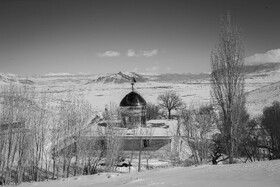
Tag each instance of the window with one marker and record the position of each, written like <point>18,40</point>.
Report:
<point>146,143</point>
<point>102,143</point>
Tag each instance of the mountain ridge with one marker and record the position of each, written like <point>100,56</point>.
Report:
<point>261,69</point>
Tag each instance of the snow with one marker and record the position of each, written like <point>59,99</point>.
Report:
<point>58,74</point>
<point>194,92</point>
<point>260,93</point>
<point>257,174</point>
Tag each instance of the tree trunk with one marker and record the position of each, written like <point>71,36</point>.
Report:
<point>47,170</point>
<point>169,114</point>
<point>53,168</point>
<point>231,144</point>
<point>231,153</point>
<point>75,166</point>
<point>64,167</point>
<point>68,168</point>
<point>76,158</point>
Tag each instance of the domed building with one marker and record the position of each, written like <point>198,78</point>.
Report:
<point>133,110</point>
<point>132,134</point>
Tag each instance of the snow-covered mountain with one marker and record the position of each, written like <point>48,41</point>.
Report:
<point>119,78</point>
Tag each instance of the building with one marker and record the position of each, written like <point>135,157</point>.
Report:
<point>154,138</point>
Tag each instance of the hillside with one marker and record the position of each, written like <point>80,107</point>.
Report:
<point>261,67</point>
<point>262,97</point>
<point>175,77</point>
<point>11,78</point>
<point>257,174</point>
<point>6,78</point>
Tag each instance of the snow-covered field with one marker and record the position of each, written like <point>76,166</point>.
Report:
<point>258,174</point>
<point>101,90</point>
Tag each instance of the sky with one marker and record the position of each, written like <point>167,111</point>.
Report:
<point>144,36</point>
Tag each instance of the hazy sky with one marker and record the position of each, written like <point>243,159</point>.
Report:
<point>103,36</point>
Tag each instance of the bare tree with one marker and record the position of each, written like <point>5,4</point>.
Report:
<point>114,145</point>
<point>22,143</point>
<point>254,135</point>
<point>170,100</point>
<point>39,135</point>
<point>16,106</point>
<point>74,117</point>
<point>197,126</point>
<point>227,81</point>
<point>186,119</point>
<point>153,111</point>
<point>92,151</point>
<point>148,132</point>
<point>205,118</point>
<point>55,137</point>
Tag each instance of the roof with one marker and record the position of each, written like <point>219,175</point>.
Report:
<point>13,125</point>
<point>154,129</point>
<point>133,99</point>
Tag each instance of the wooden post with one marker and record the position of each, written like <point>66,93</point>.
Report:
<point>140,151</point>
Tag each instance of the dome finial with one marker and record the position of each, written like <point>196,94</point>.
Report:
<point>133,81</point>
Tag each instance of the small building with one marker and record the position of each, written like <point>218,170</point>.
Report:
<point>156,137</point>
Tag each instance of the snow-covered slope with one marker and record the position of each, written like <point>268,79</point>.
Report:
<point>262,97</point>
<point>11,78</point>
<point>263,86</point>
<point>6,78</point>
<point>257,174</point>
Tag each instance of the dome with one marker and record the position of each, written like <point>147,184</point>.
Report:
<point>133,99</point>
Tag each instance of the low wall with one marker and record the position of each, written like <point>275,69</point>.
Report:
<point>155,148</point>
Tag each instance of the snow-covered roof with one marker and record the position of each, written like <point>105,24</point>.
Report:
<point>154,128</point>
